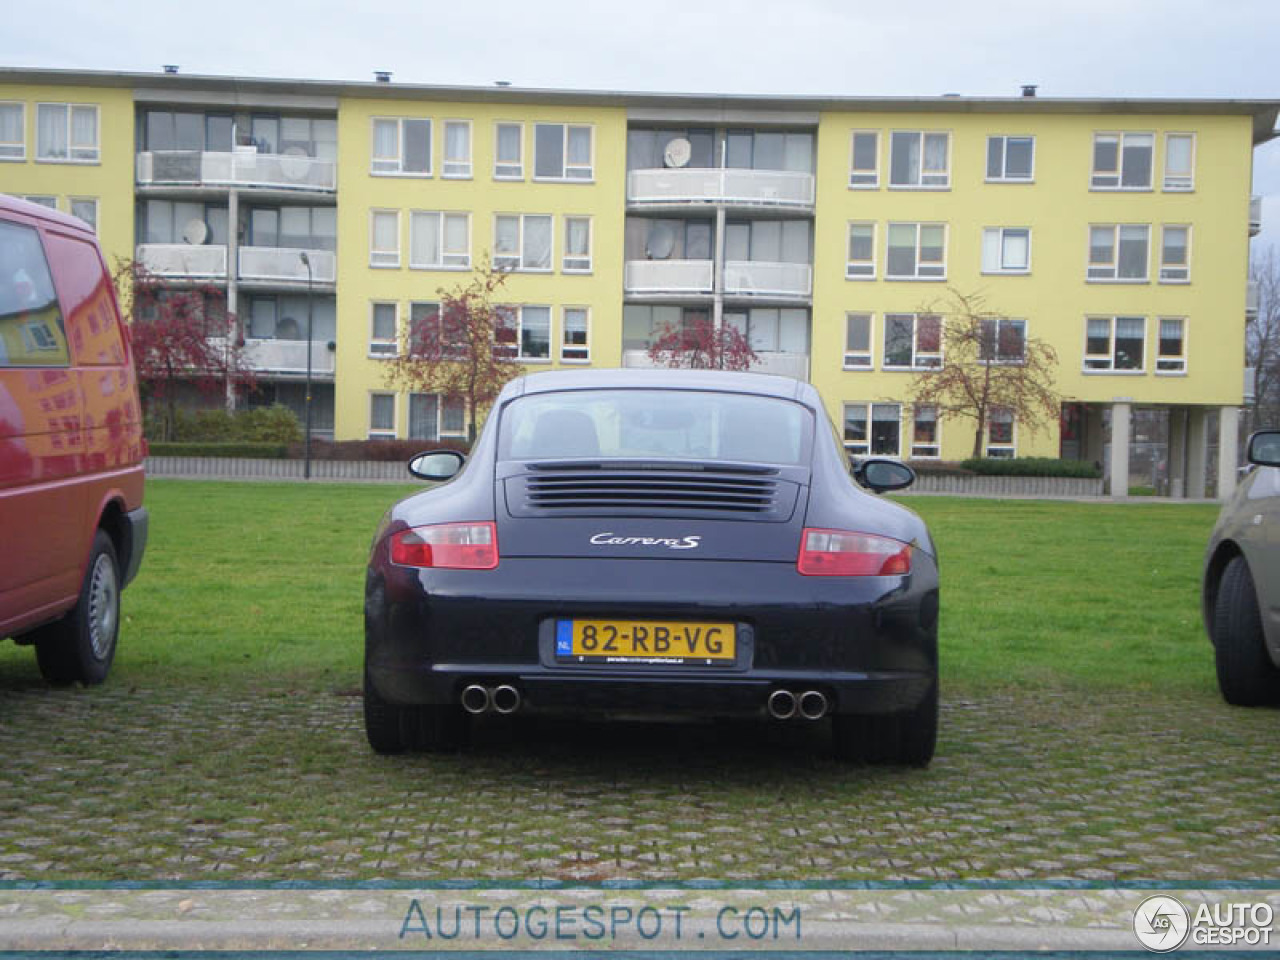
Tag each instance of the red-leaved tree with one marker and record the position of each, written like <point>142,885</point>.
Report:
<point>464,351</point>
<point>697,344</point>
<point>180,335</point>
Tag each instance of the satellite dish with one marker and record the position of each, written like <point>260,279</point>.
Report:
<point>195,232</point>
<point>678,152</point>
<point>662,240</point>
<point>295,163</point>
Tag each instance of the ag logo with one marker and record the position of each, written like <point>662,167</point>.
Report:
<point>1161,923</point>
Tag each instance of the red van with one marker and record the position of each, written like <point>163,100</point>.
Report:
<point>72,525</point>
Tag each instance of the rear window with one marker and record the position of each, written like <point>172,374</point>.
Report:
<point>655,424</point>
<point>31,330</point>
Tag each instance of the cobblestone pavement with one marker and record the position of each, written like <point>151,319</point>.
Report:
<point>188,784</point>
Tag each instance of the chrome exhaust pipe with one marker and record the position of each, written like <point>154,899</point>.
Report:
<point>506,699</point>
<point>813,704</point>
<point>476,699</point>
<point>782,704</point>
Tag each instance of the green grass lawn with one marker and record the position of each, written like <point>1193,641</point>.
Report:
<point>260,585</point>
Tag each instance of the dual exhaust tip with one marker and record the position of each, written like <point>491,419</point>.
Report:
<point>811,705</point>
<point>502,699</point>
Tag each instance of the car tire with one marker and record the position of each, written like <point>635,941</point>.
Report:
<point>395,728</point>
<point>80,646</point>
<point>897,739</point>
<point>1246,675</point>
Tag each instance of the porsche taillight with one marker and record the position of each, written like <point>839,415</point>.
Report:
<point>843,553</point>
<point>453,546</point>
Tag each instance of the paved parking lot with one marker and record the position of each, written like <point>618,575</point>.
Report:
<point>183,783</point>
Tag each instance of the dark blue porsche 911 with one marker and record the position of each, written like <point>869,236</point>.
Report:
<point>687,542</point>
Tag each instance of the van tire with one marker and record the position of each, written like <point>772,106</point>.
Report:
<point>79,648</point>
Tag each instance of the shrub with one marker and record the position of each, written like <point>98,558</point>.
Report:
<point>275,424</point>
<point>1032,467</point>
<point>262,451</point>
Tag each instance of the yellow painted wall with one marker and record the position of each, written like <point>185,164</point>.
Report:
<point>110,180</point>
<point>359,192</point>
<point>1055,298</point>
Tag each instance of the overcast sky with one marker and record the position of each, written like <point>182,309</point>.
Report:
<point>1071,48</point>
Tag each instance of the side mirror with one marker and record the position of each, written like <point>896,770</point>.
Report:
<point>879,475</point>
<point>436,464</point>
<point>1264,448</point>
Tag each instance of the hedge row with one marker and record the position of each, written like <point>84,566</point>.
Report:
<point>274,424</point>
<point>257,451</point>
<point>1032,467</point>
<point>400,450</point>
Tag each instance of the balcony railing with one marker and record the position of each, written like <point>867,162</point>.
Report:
<point>184,260</point>
<point>1255,216</point>
<point>794,365</point>
<point>765,188</point>
<point>753,278</point>
<point>1251,299</point>
<point>285,264</point>
<point>286,356</point>
<point>243,168</point>
<point>681,277</point>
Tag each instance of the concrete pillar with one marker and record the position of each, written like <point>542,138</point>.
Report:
<point>1177,453</point>
<point>233,280</point>
<point>717,272</point>
<point>1228,441</point>
<point>1197,442</point>
<point>1120,418</point>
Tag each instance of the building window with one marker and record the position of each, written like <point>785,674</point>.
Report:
<point>857,341</point>
<point>1171,355</point>
<point>1004,340</point>
<point>13,131</point>
<point>1000,433</point>
<point>561,152</point>
<point>1122,161</point>
<point>382,416</point>
<point>86,208</point>
<point>402,146</point>
<point>873,428</point>
<point>424,417</point>
<point>508,153</point>
<point>66,133</point>
<point>439,240</point>
<point>772,329</point>
<point>457,149</point>
<point>1118,251</point>
<point>919,160</point>
<point>862,252</point>
<point>577,245</point>
<point>1010,159</point>
<point>453,418</point>
<point>525,331</point>
<point>383,340</point>
<point>522,242</point>
<point>1006,250</point>
<point>42,199</point>
<point>912,341</point>
<point>384,238</point>
<point>864,160</point>
<point>1179,161</point>
<point>924,433</point>
<point>575,345</point>
<point>1115,344</point>
<point>1175,253</point>
<point>917,251</point>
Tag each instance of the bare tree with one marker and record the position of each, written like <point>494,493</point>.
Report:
<point>1262,340</point>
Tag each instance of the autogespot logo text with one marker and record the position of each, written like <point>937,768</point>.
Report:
<point>1161,923</point>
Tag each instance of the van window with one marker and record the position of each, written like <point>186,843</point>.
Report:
<point>31,330</point>
<point>87,298</point>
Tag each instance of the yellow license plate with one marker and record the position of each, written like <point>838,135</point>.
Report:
<point>646,641</point>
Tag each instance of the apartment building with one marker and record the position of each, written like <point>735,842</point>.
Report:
<point>827,230</point>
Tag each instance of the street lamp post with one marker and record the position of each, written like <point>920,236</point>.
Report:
<point>306,439</point>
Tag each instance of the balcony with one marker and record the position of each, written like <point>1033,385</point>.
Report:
<point>184,261</point>
<point>733,188</point>
<point>793,365</point>
<point>771,281</point>
<point>1255,216</point>
<point>286,356</point>
<point>1251,299</point>
<point>683,278</point>
<point>243,168</point>
<point>284,265</point>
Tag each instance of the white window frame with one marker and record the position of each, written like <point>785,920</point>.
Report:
<point>936,445</point>
<point>1106,364</point>
<point>93,153</point>
<point>506,169</point>
<point>1175,273</point>
<point>455,168</point>
<point>93,201</point>
<point>448,260</point>
<point>1179,182</point>
<point>516,312</point>
<point>388,259</point>
<point>1171,365</point>
<point>567,348</point>
<point>870,176</point>
<point>576,263</point>
<point>383,433</point>
<point>931,359</point>
<point>997,360</point>
<point>1094,270</point>
<point>500,260</point>
<point>942,178</point>
<point>999,236</point>
<point>1120,137</point>
<point>919,228</point>
<point>588,170</point>
<point>378,346</point>
<point>857,449</point>
<point>860,359</point>
<point>1004,176</point>
<point>860,269</point>
<point>1007,450</point>
<point>15,151</point>
<point>398,160</point>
